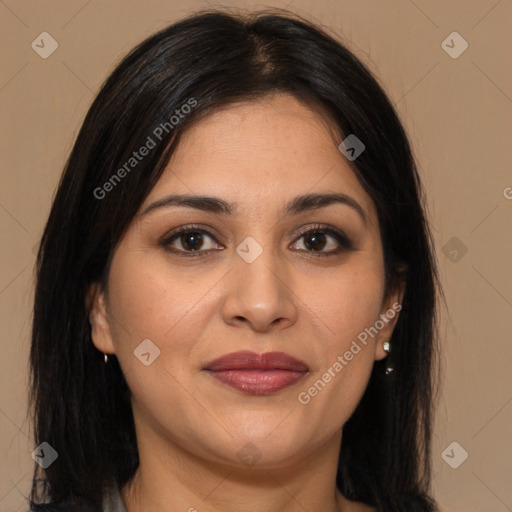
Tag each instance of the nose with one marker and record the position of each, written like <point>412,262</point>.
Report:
<point>260,295</point>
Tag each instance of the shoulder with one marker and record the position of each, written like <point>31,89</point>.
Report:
<point>112,502</point>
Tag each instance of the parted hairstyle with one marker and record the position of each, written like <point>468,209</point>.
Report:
<point>207,61</point>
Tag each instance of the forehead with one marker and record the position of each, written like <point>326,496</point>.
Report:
<point>267,150</point>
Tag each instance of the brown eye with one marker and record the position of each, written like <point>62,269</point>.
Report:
<point>190,242</point>
<point>315,241</point>
<point>323,241</point>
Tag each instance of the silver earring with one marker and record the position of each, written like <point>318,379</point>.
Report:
<point>105,358</point>
<point>387,348</point>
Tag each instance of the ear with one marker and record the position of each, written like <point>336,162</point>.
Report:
<point>389,314</point>
<point>98,318</point>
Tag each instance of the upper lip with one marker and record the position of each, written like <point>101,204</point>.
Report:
<point>246,360</point>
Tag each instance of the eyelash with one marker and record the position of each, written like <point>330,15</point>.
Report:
<point>342,239</point>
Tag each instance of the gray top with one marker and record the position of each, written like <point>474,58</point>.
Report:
<point>113,501</point>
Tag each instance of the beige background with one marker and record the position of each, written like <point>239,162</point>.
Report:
<point>458,113</point>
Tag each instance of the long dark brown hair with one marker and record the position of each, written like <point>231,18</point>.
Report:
<point>81,406</point>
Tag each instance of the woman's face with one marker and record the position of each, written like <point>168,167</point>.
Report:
<point>249,281</point>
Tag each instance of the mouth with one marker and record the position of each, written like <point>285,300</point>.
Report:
<point>257,374</point>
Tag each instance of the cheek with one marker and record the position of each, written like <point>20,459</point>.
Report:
<point>147,303</point>
<point>146,299</point>
<point>348,302</point>
<point>150,300</point>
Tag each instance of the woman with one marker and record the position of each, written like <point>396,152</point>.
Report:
<point>236,289</point>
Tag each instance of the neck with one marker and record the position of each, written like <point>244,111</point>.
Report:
<point>170,478</point>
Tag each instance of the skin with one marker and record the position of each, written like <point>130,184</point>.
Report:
<point>190,427</point>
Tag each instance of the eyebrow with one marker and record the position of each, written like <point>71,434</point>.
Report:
<point>216,205</point>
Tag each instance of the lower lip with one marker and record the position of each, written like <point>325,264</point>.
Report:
<point>258,382</point>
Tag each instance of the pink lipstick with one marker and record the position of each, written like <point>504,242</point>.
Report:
<point>257,374</point>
